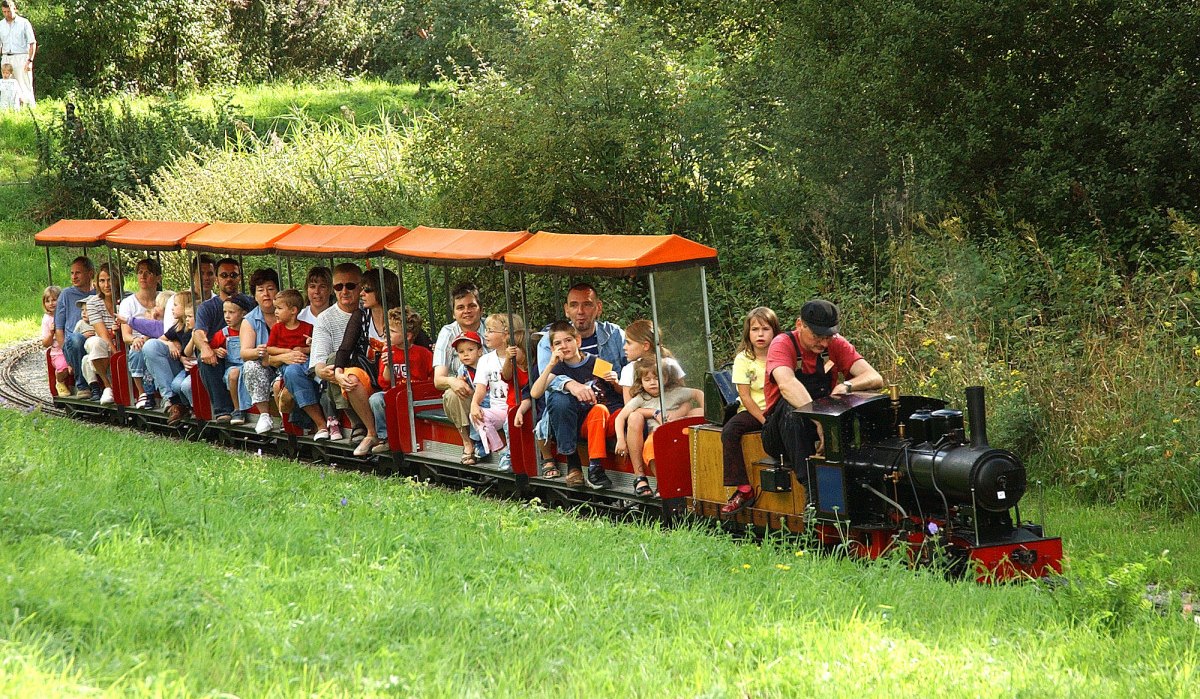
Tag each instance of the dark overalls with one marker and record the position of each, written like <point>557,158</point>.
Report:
<point>798,433</point>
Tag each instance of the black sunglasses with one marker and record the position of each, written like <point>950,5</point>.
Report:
<point>348,286</point>
<point>368,289</point>
<point>230,275</point>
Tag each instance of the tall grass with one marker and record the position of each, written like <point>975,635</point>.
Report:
<point>1091,372</point>
<point>144,567</point>
<point>339,172</point>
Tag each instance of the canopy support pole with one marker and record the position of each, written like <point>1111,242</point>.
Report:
<point>658,357</point>
<point>408,391</point>
<point>707,325</point>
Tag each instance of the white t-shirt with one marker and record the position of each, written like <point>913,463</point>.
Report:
<point>629,371</point>
<point>488,372</point>
<point>308,316</point>
<point>132,308</point>
<point>10,94</point>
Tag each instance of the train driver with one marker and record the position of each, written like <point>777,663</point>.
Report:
<point>812,361</point>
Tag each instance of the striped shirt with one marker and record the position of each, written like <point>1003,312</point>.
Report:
<point>327,335</point>
<point>98,312</point>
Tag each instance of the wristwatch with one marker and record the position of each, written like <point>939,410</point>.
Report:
<point>849,386</point>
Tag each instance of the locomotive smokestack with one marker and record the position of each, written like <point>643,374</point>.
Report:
<point>978,416</point>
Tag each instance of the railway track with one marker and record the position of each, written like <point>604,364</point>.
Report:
<point>22,378</point>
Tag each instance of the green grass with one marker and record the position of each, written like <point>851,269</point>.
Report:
<point>367,98</point>
<point>144,567</point>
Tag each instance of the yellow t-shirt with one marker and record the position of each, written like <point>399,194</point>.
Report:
<point>752,372</point>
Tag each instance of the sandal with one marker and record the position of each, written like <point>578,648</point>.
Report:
<point>550,469</point>
<point>641,487</point>
<point>468,458</point>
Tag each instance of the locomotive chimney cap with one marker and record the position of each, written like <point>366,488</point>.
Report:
<point>821,317</point>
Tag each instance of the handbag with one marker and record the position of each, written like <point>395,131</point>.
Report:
<point>361,361</point>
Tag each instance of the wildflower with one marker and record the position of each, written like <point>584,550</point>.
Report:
<point>1196,350</point>
<point>343,501</point>
<point>1014,372</point>
<point>933,371</point>
<point>782,566</point>
<point>899,360</point>
<point>1176,421</point>
<point>1168,324</point>
<point>746,566</point>
<point>1168,454</point>
<point>945,355</point>
<point>800,553</point>
<point>928,341</point>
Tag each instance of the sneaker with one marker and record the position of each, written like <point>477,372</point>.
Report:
<point>574,477</point>
<point>224,419</point>
<point>165,404</point>
<point>506,462</point>
<point>237,418</point>
<point>382,448</point>
<point>738,501</point>
<point>334,427</point>
<point>106,398</point>
<point>597,478</point>
<point>143,402</point>
<point>63,390</point>
<point>265,424</point>
<point>96,393</point>
<point>320,435</point>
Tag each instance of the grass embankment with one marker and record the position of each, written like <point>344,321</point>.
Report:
<point>146,567</point>
<point>22,266</point>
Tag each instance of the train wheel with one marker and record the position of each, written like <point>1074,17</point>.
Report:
<point>429,474</point>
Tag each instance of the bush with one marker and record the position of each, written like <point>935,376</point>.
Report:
<point>140,45</point>
<point>336,173</point>
<point>101,148</point>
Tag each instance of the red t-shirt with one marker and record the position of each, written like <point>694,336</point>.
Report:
<point>218,340</point>
<point>523,382</point>
<point>421,365</point>
<point>781,353</point>
<point>290,339</point>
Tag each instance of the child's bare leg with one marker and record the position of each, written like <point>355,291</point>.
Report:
<point>635,438</point>
<point>233,387</point>
<point>315,414</point>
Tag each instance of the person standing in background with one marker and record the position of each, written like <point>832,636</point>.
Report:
<point>19,44</point>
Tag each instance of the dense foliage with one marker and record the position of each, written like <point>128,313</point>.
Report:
<point>98,150</point>
<point>987,187</point>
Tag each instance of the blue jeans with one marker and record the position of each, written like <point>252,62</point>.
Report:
<point>378,408</point>
<point>304,389</point>
<point>566,414</point>
<point>160,367</point>
<point>136,361</point>
<point>73,351</point>
<point>181,388</point>
<point>213,378</point>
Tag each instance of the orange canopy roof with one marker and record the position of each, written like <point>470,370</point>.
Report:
<point>347,241</point>
<point>238,238</point>
<point>78,233</point>
<point>152,235</point>
<point>452,246</point>
<point>612,255</point>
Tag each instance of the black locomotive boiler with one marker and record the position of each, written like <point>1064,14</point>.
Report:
<point>902,471</point>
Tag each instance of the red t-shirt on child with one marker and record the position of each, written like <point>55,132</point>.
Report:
<point>421,364</point>
<point>218,340</point>
<point>290,339</point>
